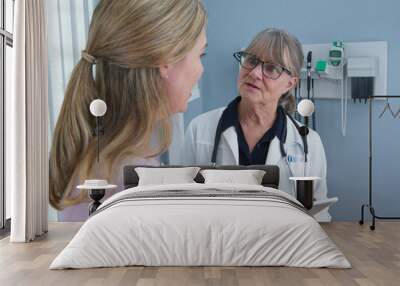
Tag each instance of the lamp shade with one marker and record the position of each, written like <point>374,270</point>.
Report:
<point>98,107</point>
<point>305,107</point>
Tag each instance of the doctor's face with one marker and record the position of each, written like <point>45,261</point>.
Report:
<point>254,85</point>
<point>181,77</point>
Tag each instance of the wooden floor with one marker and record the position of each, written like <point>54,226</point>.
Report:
<point>375,257</point>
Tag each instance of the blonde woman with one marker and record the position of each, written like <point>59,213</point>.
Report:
<point>255,128</point>
<point>147,58</point>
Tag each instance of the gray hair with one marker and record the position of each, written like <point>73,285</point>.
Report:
<point>278,46</point>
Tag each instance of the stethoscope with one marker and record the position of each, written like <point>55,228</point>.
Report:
<point>303,131</point>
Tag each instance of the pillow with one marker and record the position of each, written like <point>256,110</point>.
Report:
<point>249,177</point>
<point>162,176</point>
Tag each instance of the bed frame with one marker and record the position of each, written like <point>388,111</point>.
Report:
<point>270,179</point>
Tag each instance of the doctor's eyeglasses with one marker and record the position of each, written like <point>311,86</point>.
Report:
<point>270,70</point>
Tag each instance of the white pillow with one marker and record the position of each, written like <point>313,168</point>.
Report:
<point>162,176</point>
<point>249,177</point>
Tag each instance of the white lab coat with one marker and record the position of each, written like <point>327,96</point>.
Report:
<point>199,144</point>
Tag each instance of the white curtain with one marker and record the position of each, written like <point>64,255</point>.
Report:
<point>26,117</point>
<point>68,25</point>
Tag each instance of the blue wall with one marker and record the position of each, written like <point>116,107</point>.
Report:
<point>233,23</point>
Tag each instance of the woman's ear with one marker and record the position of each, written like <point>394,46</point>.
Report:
<point>292,83</point>
<point>164,71</point>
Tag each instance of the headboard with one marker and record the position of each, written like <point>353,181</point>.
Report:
<point>270,179</point>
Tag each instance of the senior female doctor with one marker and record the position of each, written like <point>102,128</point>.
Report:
<point>255,127</point>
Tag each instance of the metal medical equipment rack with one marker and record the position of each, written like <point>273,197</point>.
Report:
<point>369,205</point>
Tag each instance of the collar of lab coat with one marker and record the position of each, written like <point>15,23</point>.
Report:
<point>292,137</point>
<point>230,136</point>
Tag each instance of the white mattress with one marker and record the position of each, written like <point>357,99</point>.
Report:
<point>183,231</point>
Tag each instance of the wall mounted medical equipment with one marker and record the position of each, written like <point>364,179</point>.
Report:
<point>297,96</point>
<point>370,203</point>
<point>310,85</point>
<point>309,59</point>
<point>333,69</point>
<point>361,71</point>
<point>323,74</point>
<point>336,54</point>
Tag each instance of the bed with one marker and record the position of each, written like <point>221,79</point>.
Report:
<point>201,224</point>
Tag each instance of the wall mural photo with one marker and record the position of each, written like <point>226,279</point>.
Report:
<point>122,76</point>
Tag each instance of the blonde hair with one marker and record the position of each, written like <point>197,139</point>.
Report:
<point>280,47</point>
<point>127,41</point>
